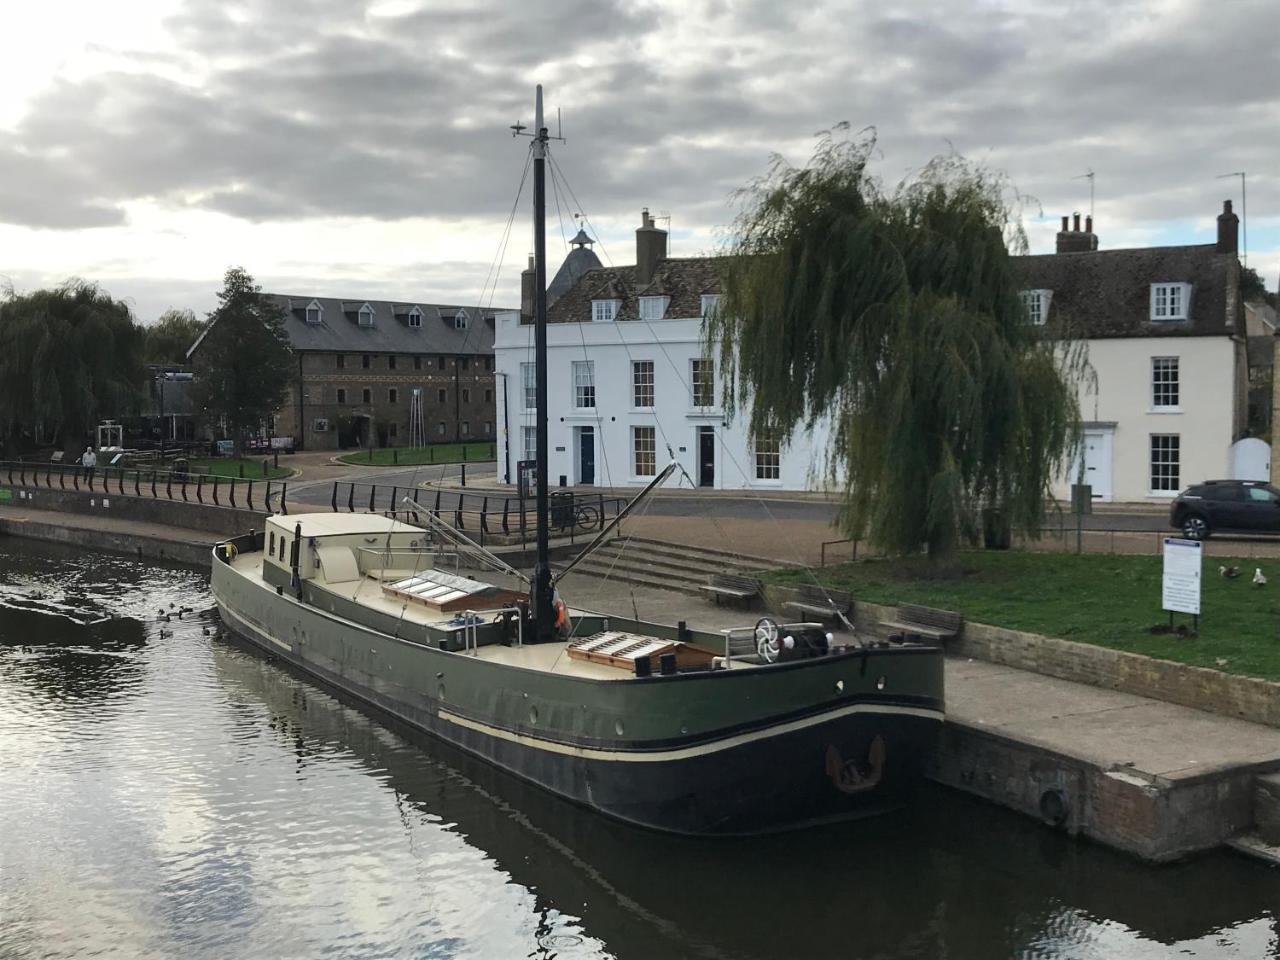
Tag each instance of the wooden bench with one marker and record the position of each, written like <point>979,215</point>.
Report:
<point>925,622</point>
<point>742,589</point>
<point>825,604</point>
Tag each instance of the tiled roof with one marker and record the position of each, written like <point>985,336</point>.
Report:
<point>1107,293</point>
<point>683,279</point>
<point>340,330</point>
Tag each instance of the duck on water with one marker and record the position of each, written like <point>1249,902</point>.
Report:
<point>761,728</point>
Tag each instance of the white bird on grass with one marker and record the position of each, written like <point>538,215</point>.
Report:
<point>1229,572</point>
<point>1258,579</point>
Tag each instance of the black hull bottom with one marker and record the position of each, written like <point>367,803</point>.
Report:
<point>852,764</point>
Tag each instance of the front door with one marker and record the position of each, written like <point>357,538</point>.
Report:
<point>706,456</point>
<point>587,455</point>
<point>1097,462</point>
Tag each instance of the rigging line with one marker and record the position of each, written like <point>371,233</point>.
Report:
<point>675,368</point>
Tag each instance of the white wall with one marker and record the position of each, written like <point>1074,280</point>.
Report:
<point>612,346</point>
<point>1123,397</point>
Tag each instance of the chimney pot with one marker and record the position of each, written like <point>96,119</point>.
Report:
<point>1075,222</point>
<point>1088,224</point>
<point>1065,220</point>
<point>1228,230</point>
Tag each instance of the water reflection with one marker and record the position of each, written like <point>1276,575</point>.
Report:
<point>164,793</point>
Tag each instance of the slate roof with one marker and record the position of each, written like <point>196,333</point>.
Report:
<point>683,279</point>
<point>580,260</point>
<point>340,332</point>
<point>1107,293</point>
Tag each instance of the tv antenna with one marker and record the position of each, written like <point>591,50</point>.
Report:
<point>1244,210</point>
<point>1088,176</point>
<point>665,215</point>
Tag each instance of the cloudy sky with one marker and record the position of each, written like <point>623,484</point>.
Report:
<point>356,149</point>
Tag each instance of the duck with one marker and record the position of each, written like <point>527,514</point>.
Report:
<point>1229,572</point>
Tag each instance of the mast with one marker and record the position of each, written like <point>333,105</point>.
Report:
<point>543,615</point>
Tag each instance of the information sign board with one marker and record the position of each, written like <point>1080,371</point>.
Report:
<point>1180,588</point>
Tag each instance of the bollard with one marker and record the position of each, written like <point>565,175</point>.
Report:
<point>395,456</point>
<point>432,452</point>
<point>371,453</point>
<point>276,457</point>
<point>464,474</point>
<point>241,469</point>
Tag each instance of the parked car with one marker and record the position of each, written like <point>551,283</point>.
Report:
<point>1250,506</point>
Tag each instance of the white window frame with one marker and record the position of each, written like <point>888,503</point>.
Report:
<point>584,385</point>
<point>1170,302</point>
<point>767,454</point>
<point>461,320</point>
<point>696,379</point>
<point>710,305</point>
<point>529,441</point>
<point>314,308</point>
<point>653,308</point>
<point>1164,464</point>
<point>603,311</point>
<point>1037,304</point>
<point>1166,385</point>
<point>643,381</point>
<point>648,467</point>
<point>529,381</point>
<point>365,311</point>
<point>415,317</point>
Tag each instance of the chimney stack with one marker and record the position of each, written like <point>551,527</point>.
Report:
<point>528,285</point>
<point>1228,230</point>
<point>1075,240</point>
<point>651,247</point>
<point>1066,220</point>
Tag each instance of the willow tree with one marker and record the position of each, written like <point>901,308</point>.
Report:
<point>897,316</point>
<point>69,357</point>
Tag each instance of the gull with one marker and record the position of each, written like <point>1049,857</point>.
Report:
<point>1258,579</point>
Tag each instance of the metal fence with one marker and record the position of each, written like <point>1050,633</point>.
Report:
<point>161,484</point>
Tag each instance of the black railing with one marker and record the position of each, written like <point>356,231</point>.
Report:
<point>267,496</point>
<point>483,517</point>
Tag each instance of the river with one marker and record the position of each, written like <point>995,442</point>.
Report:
<point>165,792</point>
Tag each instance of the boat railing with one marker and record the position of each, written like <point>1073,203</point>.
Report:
<point>739,642</point>
<point>471,627</point>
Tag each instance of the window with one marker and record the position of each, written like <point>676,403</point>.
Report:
<point>1260,495</point>
<point>366,316</point>
<point>466,428</point>
<point>488,396</point>
<point>768,458</point>
<point>366,395</point>
<point>440,428</point>
<point>702,381</point>
<point>488,427</point>
<point>415,317</point>
<point>417,363</point>
<point>466,395</point>
<point>529,380</point>
<point>393,395</point>
<point>272,549</point>
<point>642,383</point>
<point>488,364</point>
<point>653,308</point>
<point>340,362</point>
<point>603,310</point>
<point>530,435</point>
<point>342,395</point>
<point>584,384</point>
<point>1165,462</point>
<point>710,304</point>
<point>1169,301</point>
<point>366,361</point>
<point>440,362</point>
<point>315,312</point>
<point>460,321</point>
<point>1164,383</point>
<point>644,449</point>
<point>464,364</point>
<point>282,546</point>
<point>391,363</point>
<point>1037,304</point>
<point>393,429</point>
<point>442,396</point>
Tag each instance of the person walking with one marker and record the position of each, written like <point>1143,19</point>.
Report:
<point>88,460</point>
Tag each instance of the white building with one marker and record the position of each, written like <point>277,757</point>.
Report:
<point>1168,391</point>
<point>629,385</point>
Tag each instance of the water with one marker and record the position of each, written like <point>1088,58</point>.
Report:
<point>164,793</point>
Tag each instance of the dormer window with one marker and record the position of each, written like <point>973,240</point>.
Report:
<point>460,320</point>
<point>365,316</point>
<point>315,312</point>
<point>710,304</point>
<point>602,311</point>
<point>1169,301</point>
<point>1037,304</point>
<point>415,317</point>
<point>653,308</point>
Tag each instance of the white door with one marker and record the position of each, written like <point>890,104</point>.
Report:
<point>1251,459</point>
<point>1097,462</point>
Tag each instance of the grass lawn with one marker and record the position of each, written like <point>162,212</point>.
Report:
<point>416,456</point>
<point>230,467</point>
<point>1112,601</point>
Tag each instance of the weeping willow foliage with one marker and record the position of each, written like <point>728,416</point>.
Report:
<point>899,317</point>
<point>69,357</point>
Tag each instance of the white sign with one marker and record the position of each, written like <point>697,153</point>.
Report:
<point>1180,591</point>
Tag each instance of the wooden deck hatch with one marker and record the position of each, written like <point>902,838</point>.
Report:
<point>444,591</point>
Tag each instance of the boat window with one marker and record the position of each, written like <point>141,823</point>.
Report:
<point>282,546</point>
<point>272,549</point>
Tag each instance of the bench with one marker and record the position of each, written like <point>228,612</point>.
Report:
<point>925,622</point>
<point>824,604</point>
<point>743,589</point>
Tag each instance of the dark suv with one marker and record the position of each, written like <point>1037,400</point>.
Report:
<point>1247,505</point>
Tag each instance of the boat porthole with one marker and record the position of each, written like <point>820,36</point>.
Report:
<point>617,725</point>
<point>440,691</point>
<point>684,729</point>
<point>839,686</point>
<point>880,684</point>
<point>533,714</point>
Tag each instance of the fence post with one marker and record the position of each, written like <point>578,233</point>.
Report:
<point>464,473</point>
<point>373,492</point>
<point>506,506</point>
<point>601,496</point>
<point>284,488</point>
<point>233,486</point>
<point>249,494</point>
<point>216,502</point>
<point>11,475</point>
<point>137,481</point>
<point>183,484</point>
<point>264,468</point>
<point>436,511</point>
<point>351,498</point>
<point>62,478</point>
<point>395,494</point>
<point>153,482</point>
<point>200,488</point>
<point>22,472</point>
<point>484,515</point>
<point>333,500</point>
<point>168,484</point>
<point>395,456</point>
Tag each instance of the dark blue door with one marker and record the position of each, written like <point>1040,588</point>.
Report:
<point>587,456</point>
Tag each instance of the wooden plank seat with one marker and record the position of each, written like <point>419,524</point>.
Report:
<point>825,604</point>
<point>925,622</point>
<point>732,587</point>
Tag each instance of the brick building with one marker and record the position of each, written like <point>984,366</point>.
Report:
<point>359,362</point>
